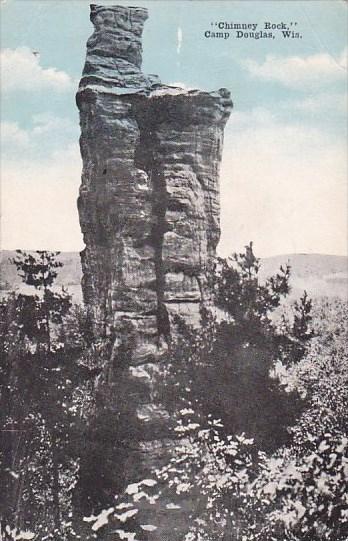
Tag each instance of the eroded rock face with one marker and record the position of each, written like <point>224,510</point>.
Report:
<point>149,197</point>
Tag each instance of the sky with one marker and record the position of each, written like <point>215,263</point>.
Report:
<point>284,167</point>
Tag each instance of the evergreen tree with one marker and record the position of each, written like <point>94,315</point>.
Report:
<point>226,364</point>
<point>37,376</point>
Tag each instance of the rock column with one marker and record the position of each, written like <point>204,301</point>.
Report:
<point>149,199</point>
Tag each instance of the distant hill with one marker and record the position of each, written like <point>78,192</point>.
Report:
<point>320,275</point>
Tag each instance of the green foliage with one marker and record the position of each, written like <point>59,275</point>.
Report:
<point>66,440</point>
<point>225,365</point>
<point>297,333</point>
<point>38,271</point>
<point>213,469</point>
<point>38,404</point>
<point>248,459</point>
<point>305,486</point>
<point>237,289</point>
<point>50,307</point>
<point>109,434</point>
<point>322,375</point>
<point>305,495</point>
<point>297,493</point>
<point>303,317</point>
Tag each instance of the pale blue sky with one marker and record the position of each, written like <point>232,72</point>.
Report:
<point>284,169</point>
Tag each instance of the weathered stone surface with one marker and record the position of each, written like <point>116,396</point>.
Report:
<point>149,201</point>
<point>115,50</point>
<point>185,132</point>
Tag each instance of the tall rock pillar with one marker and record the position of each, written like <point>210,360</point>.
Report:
<point>149,198</point>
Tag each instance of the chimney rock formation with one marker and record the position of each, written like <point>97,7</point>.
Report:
<point>149,197</point>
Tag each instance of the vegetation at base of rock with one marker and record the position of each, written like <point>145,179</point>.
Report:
<point>299,490</point>
<point>224,367</point>
<point>258,416</point>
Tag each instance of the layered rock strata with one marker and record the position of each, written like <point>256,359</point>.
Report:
<point>149,197</point>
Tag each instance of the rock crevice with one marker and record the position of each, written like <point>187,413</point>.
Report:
<point>149,200</point>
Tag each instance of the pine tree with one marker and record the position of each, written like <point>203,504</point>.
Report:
<point>35,384</point>
<point>226,365</point>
